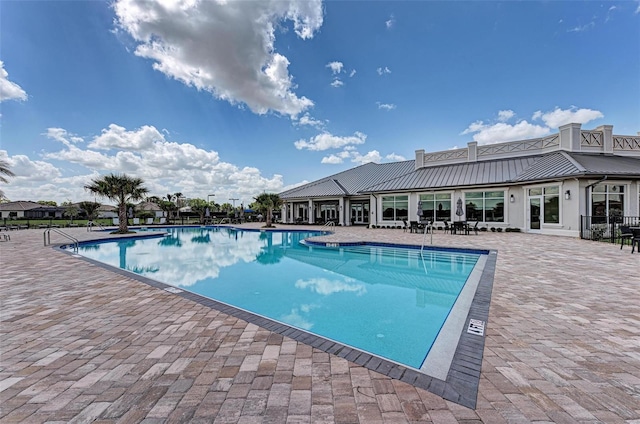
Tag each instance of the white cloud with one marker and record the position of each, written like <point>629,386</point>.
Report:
<point>386,106</point>
<point>383,71</point>
<point>337,83</point>
<point>327,141</point>
<point>9,90</point>
<point>489,133</point>
<point>116,137</point>
<point>223,47</point>
<point>582,28</point>
<point>559,117</point>
<point>390,22</point>
<point>307,119</point>
<point>354,156</point>
<point>501,132</point>
<point>395,157</point>
<point>336,67</point>
<point>505,115</point>
<point>165,166</point>
<point>352,73</point>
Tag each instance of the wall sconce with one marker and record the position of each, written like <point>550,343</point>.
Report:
<point>567,194</point>
<point>512,198</point>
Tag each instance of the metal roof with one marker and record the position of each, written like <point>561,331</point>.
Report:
<point>458,175</point>
<point>401,176</point>
<point>351,181</point>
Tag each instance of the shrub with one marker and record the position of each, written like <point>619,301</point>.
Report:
<point>493,229</point>
<point>483,229</point>
<point>499,229</point>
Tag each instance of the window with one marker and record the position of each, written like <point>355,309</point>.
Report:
<point>485,206</point>
<point>436,207</point>
<point>551,205</point>
<point>395,208</point>
<point>549,210</point>
<point>606,201</point>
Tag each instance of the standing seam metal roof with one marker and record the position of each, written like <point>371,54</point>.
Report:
<point>401,176</point>
<point>351,181</point>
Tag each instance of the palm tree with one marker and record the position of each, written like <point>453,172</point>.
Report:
<point>267,202</point>
<point>4,170</point>
<point>121,189</point>
<point>91,209</point>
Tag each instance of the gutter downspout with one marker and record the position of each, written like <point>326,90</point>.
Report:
<point>586,200</point>
<point>370,224</point>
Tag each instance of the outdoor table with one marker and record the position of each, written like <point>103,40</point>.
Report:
<point>460,227</point>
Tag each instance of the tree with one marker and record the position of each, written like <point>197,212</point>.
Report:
<point>71,211</point>
<point>121,189</point>
<point>4,170</point>
<point>47,202</point>
<point>199,206</point>
<point>90,208</point>
<point>267,202</point>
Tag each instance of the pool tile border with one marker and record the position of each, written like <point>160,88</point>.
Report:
<point>461,385</point>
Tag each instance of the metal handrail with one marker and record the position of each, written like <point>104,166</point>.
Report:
<point>47,237</point>
<point>92,224</point>
<point>329,224</point>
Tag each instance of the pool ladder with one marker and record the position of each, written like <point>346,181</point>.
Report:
<point>47,237</point>
<point>92,224</point>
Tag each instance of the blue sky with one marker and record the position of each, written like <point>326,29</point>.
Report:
<point>240,97</point>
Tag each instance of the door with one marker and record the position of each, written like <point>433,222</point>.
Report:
<point>534,210</point>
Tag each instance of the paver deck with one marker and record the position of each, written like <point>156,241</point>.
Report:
<point>79,343</point>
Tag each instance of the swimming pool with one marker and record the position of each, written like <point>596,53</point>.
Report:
<point>389,301</point>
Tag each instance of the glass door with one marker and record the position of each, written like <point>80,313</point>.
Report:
<point>534,213</point>
<point>359,213</point>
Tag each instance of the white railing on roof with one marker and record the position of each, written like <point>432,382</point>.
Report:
<point>626,142</point>
<point>447,155</point>
<point>591,138</point>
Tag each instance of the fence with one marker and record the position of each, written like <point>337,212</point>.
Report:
<point>605,228</point>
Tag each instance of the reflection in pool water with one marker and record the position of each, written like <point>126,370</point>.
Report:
<point>391,302</point>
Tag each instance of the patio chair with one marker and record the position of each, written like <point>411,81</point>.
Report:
<point>406,226</point>
<point>625,234</point>
<point>115,221</point>
<point>413,228</point>
<point>149,221</point>
<point>474,228</point>
<point>447,228</point>
<point>163,220</point>
<point>635,240</point>
<point>136,221</point>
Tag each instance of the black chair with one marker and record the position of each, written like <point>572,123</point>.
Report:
<point>474,228</point>
<point>635,240</point>
<point>625,234</point>
<point>413,228</point>
<point>447,228</point>
<point>406,226</point>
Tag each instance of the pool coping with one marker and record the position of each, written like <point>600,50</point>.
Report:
<point>463,378</point>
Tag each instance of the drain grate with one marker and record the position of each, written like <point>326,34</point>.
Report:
<point>476,327</point>
<point>173,290</point>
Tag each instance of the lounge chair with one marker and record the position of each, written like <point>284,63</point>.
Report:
<point>163,220</point>
<point>149,221</point>
<point>625,234</point>
<point>115,221</point>
<point>136,221</point>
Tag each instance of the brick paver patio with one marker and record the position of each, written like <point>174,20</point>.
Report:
<point>82,344</point>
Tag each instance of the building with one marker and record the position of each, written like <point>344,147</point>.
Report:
<point>552,185</point>
<point>29,210</point>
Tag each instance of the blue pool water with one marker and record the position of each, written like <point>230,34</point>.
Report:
<point>388,301</point>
